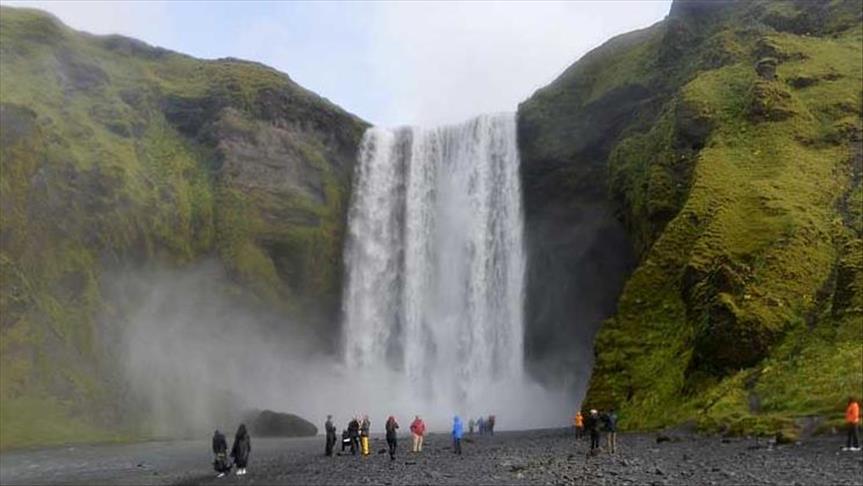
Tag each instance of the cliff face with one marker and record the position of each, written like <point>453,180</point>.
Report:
<point>726,141</point>
<point>116,154</point>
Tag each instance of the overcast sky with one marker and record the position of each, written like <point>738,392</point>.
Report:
<point>391,63</point>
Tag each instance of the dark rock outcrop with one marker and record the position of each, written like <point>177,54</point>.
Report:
<point>277,424</point>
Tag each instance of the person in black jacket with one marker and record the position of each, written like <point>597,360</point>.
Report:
<point>346,439</point>
<point>354,435</point>
<point>220,450</point>
<point>391,427</point>
<point>591,423</point>
<point>331,435</point>
<point>241,449</point>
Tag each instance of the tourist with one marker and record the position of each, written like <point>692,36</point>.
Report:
<point>331,435</point>
<point>418,430</point>
<point>490,424</point>
<point>365,425</point>
<point>578,422</point>
<point>852,421</point>
<point>241,449</point>
<point>481,424</point>
<point>354,434</point>
<point>457,432</point>
<point>470,425</point>
<point>346,439</point>
<point>220,450</point>
<point>592,426</point>
<point>391,427</point>
<point>610,420</point>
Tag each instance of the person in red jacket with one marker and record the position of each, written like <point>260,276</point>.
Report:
<point>418,429</point>
<point>852,420</point>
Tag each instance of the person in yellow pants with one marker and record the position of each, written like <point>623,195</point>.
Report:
<point>364,434</point>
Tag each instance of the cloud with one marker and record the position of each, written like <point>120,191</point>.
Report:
<point>392,63</point>
<point>444,62</point>
<point>149,21</point>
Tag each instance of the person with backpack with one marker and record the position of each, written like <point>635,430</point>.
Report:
<point>241,449</point>
<point>220,451</point>
<point>354,434</point>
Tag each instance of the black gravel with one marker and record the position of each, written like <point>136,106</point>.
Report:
<point>529,457</point>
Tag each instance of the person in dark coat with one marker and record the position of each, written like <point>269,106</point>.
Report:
<point>241,449</point>
<point>391,427</point>
<point>354,435</point>
<point>220,450</point>
<point>591,423</point>
<point>331,435</point>
<point>491,420</point>
<point>610,420</point>
<point>346,439</point>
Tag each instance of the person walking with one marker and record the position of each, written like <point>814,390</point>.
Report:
<point>392,437</point>
<point>241,449</point>
<point>591,423</point>
<point>491,420</point>
<point>578,421</point>
<point>610,420</point>
<point>852,421</point>
<point>365,426</point>
<point>418,430</point>
<point>354,434</point>
<point>331,435</point>
<point>220,451</point>
<point>481,425</point>
<point>457,432</point>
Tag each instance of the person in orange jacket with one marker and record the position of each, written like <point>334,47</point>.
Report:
<point>578,423</point>
<point>852,420</point>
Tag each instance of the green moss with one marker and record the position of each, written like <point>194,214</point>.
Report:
<point>744,311</point>
<point>111,155</point>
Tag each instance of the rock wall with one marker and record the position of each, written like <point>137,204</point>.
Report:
<point>118,156</point>
<point>730,173</point>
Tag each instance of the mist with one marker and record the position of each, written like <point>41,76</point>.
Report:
<point>193,353</point>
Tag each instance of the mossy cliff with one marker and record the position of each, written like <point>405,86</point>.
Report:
<point>113,154</point>
<point>726,140</point>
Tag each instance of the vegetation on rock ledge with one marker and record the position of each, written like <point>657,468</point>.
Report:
<point>738,177</point>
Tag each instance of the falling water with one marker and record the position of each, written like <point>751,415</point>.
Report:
<point>435,263</point>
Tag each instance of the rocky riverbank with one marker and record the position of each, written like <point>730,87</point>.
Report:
<point>528,457</point>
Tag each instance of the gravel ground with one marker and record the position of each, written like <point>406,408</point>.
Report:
<point>528,457</point>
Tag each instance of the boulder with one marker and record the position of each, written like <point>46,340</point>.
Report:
<point>276,424</point>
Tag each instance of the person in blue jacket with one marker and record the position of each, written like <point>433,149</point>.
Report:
<point>457,432</point>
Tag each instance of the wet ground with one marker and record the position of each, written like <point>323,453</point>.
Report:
<point>529,457</point>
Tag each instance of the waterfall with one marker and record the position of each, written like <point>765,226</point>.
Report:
<point>434,260</point>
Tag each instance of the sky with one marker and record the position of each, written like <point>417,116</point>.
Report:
<point>391,63</point>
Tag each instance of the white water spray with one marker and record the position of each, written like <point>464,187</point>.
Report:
<point>435,265</point>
